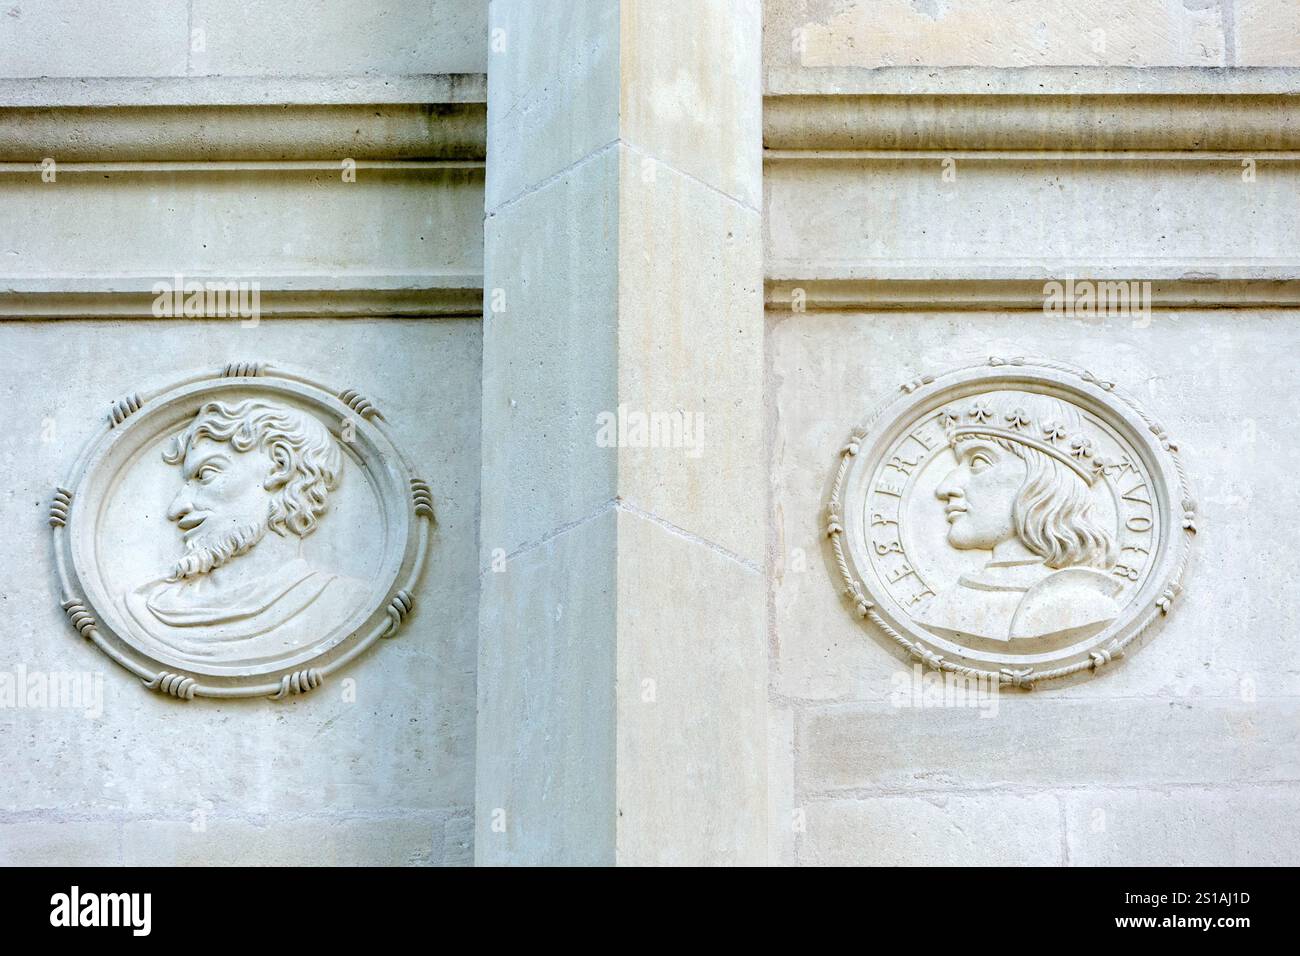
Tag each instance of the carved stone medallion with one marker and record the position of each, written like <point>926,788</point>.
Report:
<point>240,533</point>
<point>1019,520</point>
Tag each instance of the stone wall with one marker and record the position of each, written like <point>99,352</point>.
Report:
<point>330,155</point>
<point>1183,753</point>
<point>582,677</point>
<point>377,765</point>
<point>824,36</point>
<point>177,38</point>
<point>914,217</point>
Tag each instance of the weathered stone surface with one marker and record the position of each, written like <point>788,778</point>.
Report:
<point>458,840</point>
<point>678,89</point>
<point>546,762</point>
<point>68,843</point>
<point>549,355</point>
<point>221,37</point>
<point>93,134</point>
<point>405,840</point>
<point>816,34</point>
<point>691,649</point>
<point>59,38</point>
<point>1005,111</point>
<point>689,91</point>
<point>255,223</point>
<point>1267,33</point>
<point>258,37</point>
<point>691,349</point>
<point>1047,743</point>
<point>1246,825</point>
<point>554,87</point>
<point>984,214</point>
<point>780,786</point>
<point>997,829</point>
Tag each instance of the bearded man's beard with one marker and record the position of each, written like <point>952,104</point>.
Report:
<point>210,551</point>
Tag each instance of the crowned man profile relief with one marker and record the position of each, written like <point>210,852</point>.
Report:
<point>1023,490</point>
<point>256,478</point>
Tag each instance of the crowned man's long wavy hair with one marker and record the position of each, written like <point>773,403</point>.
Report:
<point>1054,511</point>
<point>305,458</point>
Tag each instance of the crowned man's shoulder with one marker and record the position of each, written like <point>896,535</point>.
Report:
<point>1072,602</point>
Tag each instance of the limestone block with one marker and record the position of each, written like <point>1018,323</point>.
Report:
<point>253,222</point>
<point>301,37</point>
<point>550,356</point>
<point>1244,825</point>
<point>51,843</point>
<point>692,689</point>
<point>1267,33</point>
<point>397,730</point>
<point>1047,743</point>
<point>691,355</point>
<point>986,829</point>
<point>1041,213</point>
<point>1220,642</point>
<point>691,90</point>
<point>554,89</point>
<point>782,819</point>
<point>68,38</point>
<point>555,798</point>
<point>881,33</point>
<point>546,784</point>
<point>458,840</point>
<point>399,840</point>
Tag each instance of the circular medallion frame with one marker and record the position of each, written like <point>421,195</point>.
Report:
<point>1169,524</point>
<point>139,422</point>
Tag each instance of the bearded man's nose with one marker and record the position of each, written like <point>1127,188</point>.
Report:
<point>180,505</point>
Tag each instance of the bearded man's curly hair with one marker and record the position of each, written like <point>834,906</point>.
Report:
<point>306,460</point>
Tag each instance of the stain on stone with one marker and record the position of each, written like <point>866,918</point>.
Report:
<point>934,9</point>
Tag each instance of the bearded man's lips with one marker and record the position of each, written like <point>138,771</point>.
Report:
<point>190,522</point>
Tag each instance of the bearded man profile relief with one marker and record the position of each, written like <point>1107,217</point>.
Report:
<point>1023,490</point>
<point>256,477</point>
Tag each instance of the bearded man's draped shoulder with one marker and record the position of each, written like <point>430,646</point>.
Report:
<point>262,618</point>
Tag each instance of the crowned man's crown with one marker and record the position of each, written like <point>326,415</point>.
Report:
<point>1052,435</point>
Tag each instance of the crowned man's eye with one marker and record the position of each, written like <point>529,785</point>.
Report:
<point>979,461</point>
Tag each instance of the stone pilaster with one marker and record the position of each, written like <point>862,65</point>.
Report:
<point>622,661</point>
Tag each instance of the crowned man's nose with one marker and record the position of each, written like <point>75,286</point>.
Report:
<point>948,488</point>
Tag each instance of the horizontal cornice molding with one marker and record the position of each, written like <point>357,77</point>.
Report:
<point>70,134</point>
<point>278,297</point>
<point>962,287</point>
<point>1058,122</point>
